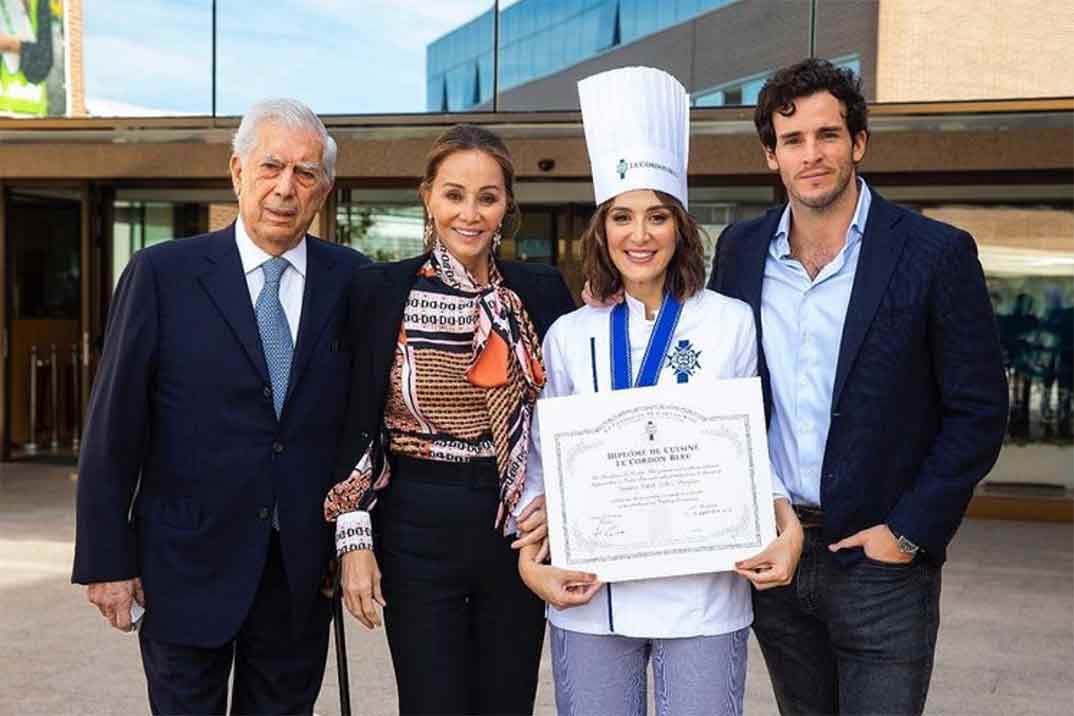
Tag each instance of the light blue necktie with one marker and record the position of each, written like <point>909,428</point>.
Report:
<point>275,333</point>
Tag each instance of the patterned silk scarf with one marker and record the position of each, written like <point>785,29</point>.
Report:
<point>506,362</point>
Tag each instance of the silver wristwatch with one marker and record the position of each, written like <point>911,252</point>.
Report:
<point>906,546</point>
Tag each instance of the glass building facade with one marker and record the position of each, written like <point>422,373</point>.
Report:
<point>539,38</point>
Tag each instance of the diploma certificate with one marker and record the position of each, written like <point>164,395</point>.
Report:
<point>657,481</point>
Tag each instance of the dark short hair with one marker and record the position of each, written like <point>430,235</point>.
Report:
<point>465,138</point>
<point>803,80</point>
<point>685,272</point>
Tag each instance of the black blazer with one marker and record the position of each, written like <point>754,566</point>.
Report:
<point>181,413</point>
<point>378,297</point>
<point>919,405</point>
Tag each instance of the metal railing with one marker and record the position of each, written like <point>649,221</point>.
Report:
<point>61,418</point>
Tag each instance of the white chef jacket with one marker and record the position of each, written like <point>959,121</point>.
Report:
<point>577,355</point>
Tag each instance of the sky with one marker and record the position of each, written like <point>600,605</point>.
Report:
<point>337,56</point>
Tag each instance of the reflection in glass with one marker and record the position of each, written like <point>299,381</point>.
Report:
<point>383,232</point>
<point>138,224</point>
<point>33,66</point>
<point>370,57</point>
<point>459,66</point>
<point>147,58</point>
<point>1028,259</point>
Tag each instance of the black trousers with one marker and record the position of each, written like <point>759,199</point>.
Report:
<point>850,640</point>
<point>464,632</point>
<point>276,670</point>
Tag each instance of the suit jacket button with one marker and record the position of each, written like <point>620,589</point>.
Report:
<point>277,448</point>
<point>267,392</point>
<point>263,513</point>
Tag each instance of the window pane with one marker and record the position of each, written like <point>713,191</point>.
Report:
<point>709,45</point>
<point>352,57</point>
<point>33,81</point>
<point>146,58</point>
<point>1028,258</point>
<point>383,232</point>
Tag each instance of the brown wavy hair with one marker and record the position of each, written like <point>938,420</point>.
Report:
<point>804,80</point>
<point>465,138</point>
<point>685,272</point>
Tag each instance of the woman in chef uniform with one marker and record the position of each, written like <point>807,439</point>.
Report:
<point>666,329</point>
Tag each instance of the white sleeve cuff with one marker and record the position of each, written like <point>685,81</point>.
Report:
<point>354,531</point>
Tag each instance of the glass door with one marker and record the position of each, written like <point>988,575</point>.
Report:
<point>43,275</point>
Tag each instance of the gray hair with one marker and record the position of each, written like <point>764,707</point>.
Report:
<point>289,113</point>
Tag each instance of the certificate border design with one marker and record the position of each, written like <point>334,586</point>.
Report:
<point>628,416</point>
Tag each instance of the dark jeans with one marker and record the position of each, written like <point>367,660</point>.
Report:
<point>850,640</point>
<point>464,632</point>
<point>276,670</point>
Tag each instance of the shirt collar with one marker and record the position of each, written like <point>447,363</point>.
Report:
<point>637,310</point>
<point>781,243</point>
<point>252,255</point>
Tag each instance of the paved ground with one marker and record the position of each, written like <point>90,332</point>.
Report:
<point>1006,638</point>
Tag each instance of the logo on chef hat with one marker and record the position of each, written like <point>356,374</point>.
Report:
<point>623,166</point>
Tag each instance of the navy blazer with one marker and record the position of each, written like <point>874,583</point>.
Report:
<point>181,409</point>
<point>377,301</point>
<point>919,405</point>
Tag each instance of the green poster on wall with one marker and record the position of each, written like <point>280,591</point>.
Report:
<point>32,54</point>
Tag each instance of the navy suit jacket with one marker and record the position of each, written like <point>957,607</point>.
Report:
<point>182,409</point>
<point>376,310</point>
<point>919,406</point>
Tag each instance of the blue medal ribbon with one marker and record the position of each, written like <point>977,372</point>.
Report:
<point>659,342</point>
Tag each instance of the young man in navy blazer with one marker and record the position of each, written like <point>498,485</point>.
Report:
<point>210,435</point>
<point>887,399</point>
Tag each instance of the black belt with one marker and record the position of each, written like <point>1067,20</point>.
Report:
<point>476,473</point>
<point>809,516</point>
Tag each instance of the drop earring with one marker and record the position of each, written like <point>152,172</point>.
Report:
<point>430,233</point>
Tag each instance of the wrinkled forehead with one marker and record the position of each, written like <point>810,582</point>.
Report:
<point>291,145</point>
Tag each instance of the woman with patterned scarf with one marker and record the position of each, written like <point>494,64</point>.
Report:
<point>447,368</point>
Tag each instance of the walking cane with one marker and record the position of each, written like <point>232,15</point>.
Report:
<point>341,647</point>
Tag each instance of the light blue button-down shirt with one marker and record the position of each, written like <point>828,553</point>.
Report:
<point>803,326</point>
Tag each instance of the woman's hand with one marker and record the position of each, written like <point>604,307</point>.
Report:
<point>360,583</point>
<point>532,524</point>
<point>775,565</point>
<point>561,588</point>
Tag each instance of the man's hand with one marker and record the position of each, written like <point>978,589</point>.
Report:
<point>361,586</point>
<point>113,600</point>
<point>532,524</point>
<point>775,565</point>
<point>878,543</point>
<point>559,587</point>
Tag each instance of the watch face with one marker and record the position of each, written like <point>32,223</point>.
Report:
<point>906,546</point>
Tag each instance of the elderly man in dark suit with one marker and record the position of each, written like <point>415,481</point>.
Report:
<point>210,435</point>
<point>887,398</point>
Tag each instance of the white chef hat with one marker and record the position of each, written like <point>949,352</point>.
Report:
<point>637,131</point>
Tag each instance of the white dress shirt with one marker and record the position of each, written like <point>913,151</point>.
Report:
<point>292,281</point>
<point>803,329</point>
<point>576,355</point>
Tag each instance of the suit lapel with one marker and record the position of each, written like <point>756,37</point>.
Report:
<point>754,257</point>
<point>322,290</point>
<point>880,249</point>
<point>396,281</point>
<point>225,283</point>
